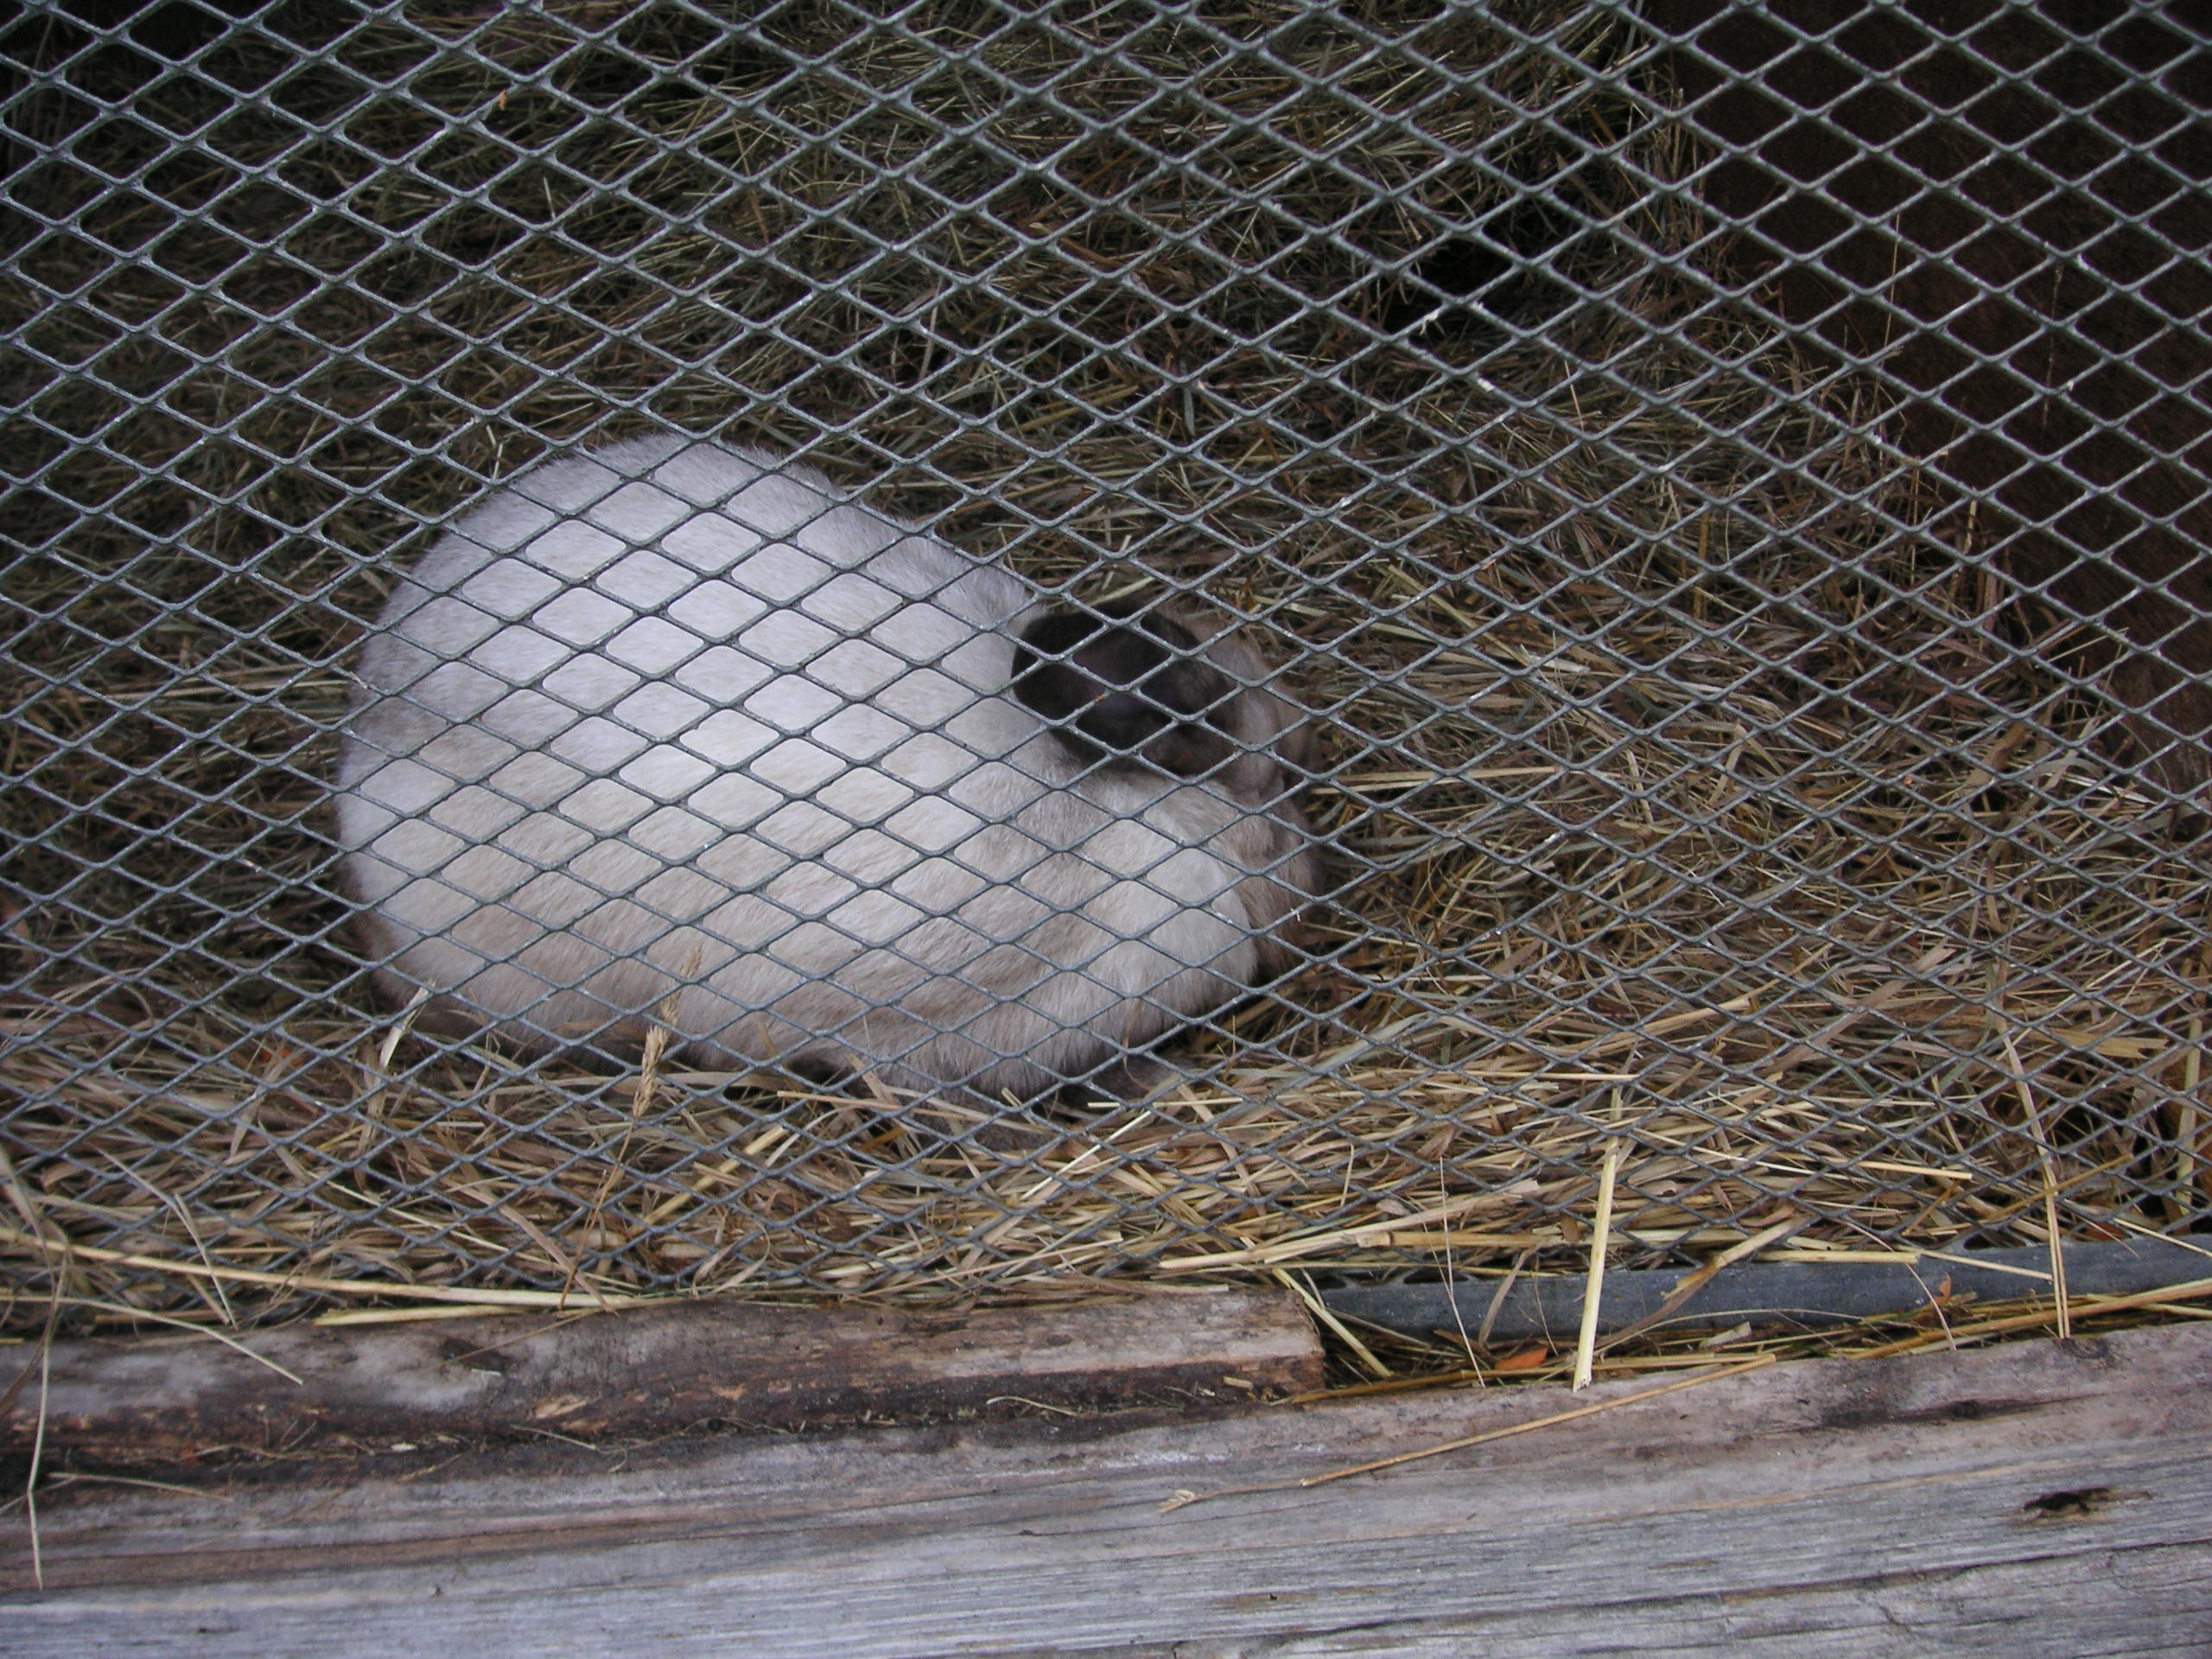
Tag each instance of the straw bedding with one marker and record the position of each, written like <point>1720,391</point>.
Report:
<point>1692,788</point>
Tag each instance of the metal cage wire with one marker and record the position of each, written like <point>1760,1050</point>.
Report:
<point>1727,483</point>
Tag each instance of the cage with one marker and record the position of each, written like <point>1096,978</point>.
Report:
<point>1725,485</point>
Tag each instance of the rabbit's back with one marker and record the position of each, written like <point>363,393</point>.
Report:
<point>672,732</point>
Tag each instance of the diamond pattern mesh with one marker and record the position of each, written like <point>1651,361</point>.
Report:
<point>1728,485</point>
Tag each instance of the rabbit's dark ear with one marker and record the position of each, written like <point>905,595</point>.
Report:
<point>1124,688</point>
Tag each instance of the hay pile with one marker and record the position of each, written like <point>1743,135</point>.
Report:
<point>1690,790</point>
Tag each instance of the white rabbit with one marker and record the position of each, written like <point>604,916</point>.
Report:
<point>671,733</point>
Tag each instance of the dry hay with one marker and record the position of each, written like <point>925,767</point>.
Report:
<point>1690,792</point>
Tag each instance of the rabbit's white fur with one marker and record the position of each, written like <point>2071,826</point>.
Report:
<point>670,733</point>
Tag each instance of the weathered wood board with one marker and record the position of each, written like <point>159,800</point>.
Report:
<point>656,1371</point>
<point>2036,1499</point>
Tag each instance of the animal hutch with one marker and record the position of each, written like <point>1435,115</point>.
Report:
<point>1723,488</point>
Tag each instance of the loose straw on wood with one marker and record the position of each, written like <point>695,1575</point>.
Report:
<point>1184,1499</point>
<point>1593,1291</point>
<point>292,1282</point>
<point>2082,1307</point>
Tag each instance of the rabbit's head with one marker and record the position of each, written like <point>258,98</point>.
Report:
<point>1128,684</point>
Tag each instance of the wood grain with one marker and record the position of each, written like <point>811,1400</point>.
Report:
<point>1913,1506</point>
<point>656,1371</point>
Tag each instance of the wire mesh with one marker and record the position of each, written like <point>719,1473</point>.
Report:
<point>1725,485</point>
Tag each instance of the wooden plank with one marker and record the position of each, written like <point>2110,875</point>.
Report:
<point>1910,1506</point>
<point>2132,1603</point>
<point>657,1371</point>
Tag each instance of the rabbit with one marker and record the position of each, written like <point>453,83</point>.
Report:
<point>672,734</point>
